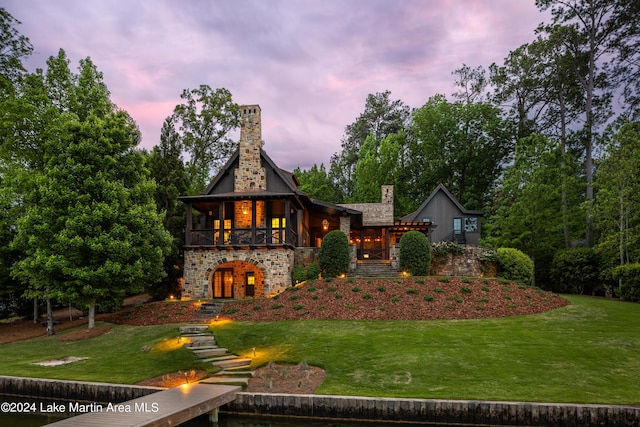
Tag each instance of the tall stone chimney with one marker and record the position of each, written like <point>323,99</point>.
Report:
<point>250,175</point>
<point>387,194</point>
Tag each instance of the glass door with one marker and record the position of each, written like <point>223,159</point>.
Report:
<point>223,283</point>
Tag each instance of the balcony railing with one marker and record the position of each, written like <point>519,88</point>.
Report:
<point>243,237</point>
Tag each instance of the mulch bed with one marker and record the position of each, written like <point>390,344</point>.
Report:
<point>398,299</point>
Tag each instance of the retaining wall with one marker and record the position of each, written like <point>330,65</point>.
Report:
<point>457,412</point>
<point>80,391</point>
<point>454,412</point>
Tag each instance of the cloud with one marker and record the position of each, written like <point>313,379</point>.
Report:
<point>309,64</point>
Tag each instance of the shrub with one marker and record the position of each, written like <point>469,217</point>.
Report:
<point>575,270</point>
<point>415,253</point>
<point>443,248</point>
<point>629,276</point>
<point>313,271</point>
<point>298,274</point>
<point>515,265</point>
<point>334,254</point>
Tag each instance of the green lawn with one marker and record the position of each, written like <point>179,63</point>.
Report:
<point>125,354</point>
<point>588,352</point>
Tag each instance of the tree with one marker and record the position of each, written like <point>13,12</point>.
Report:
<point>527,204</point>
<point>617,204</point>
<point>317,184</point>
<point>381,118</point>
<point>601,30</point>
<point>167,169</point>
<point>460,145</point>
<point>202,125</point>
<point>13,48</point>
<point>91,234</point>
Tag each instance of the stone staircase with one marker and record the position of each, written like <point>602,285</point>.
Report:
<point>208,311</point>
<point>375,268</point>
<point>203,344</point>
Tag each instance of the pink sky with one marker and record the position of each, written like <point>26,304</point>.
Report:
<point>309,64</point>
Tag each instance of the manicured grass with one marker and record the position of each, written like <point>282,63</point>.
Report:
<point>125,354</point>
<point>588,352</point>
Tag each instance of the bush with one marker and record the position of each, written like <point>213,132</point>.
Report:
<point>629,276</point>
<point>415,253</point>
<point>334,257</point>
<point>313,271</point>
<point>298,274</point>
<point>514,265</point>
<point>575,270</point>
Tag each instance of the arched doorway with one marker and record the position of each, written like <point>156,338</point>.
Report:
<point>236,279</point>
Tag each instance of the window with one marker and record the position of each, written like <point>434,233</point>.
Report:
<point>471,224</point>
<point>277,229</point>
<point>227,231</point>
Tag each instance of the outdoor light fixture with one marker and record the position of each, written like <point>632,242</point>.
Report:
<point>245,208</point>
<point>325,224</point>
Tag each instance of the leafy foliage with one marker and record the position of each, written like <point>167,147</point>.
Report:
<point>576,270</point>
<point>334,257</point>
<point>415,253</point>
<point>629,276</point>
<point>514,265</point>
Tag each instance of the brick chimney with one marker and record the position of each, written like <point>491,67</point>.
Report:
<point>250,175</point>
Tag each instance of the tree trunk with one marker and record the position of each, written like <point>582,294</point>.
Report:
<point>92,314</point>
<point>50,330</point>
<point>35,310</point>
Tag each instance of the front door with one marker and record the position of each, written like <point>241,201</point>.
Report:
<point>223,283</point>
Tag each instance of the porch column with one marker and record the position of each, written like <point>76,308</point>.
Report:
<point>188,225</point>
<point>287,220</point>
<point>345,225</point>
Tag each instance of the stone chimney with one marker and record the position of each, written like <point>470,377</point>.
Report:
<point>387,194</point>
<point>250,175</point>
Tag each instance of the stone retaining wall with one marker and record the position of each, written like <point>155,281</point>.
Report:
<point>456,412</point>
<point>77,391</point>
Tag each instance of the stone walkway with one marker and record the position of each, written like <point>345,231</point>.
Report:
<point>201,341</point>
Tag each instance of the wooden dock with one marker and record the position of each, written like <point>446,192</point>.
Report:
<point>164,408</point>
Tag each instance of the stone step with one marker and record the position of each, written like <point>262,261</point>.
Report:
<point>198,337</point>
<point>214,351</point>
<point>193,329</point>
<point>225,380</point>
<point>201,344</point>
<point>232,363</point>
<point>235,373</point>
<point>221,357</point>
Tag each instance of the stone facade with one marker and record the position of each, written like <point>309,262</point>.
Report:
<point>375,214</point>
<point>274,266</point>
<point>250,175</point>
<point>465,264</point>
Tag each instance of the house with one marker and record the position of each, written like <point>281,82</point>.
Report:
<point>454,222</point>
<point>251,225</point>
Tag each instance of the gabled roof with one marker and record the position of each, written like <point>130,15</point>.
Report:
<point>412,216</point>
<point>288,177</point>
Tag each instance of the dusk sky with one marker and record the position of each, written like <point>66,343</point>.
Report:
<point>310,64</point>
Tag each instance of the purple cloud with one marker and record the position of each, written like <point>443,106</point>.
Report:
<point>309,64</point>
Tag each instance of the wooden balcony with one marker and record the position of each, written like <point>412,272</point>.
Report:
<point>242,238</point>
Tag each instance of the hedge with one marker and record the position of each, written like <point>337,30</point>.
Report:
<point>415,253</point>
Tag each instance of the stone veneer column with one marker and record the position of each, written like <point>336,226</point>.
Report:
<point>387,194</point>
<point>250,175</point>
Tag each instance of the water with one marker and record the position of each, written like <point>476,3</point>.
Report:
<point>29,419</point>
<point>33,420</point>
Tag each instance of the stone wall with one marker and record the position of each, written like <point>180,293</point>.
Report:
<point>465,264</point>
<point>275,264</point>
<point>373,213</point>
<point>433,411</point>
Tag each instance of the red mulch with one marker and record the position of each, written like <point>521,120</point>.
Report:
<point>397,299</point>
